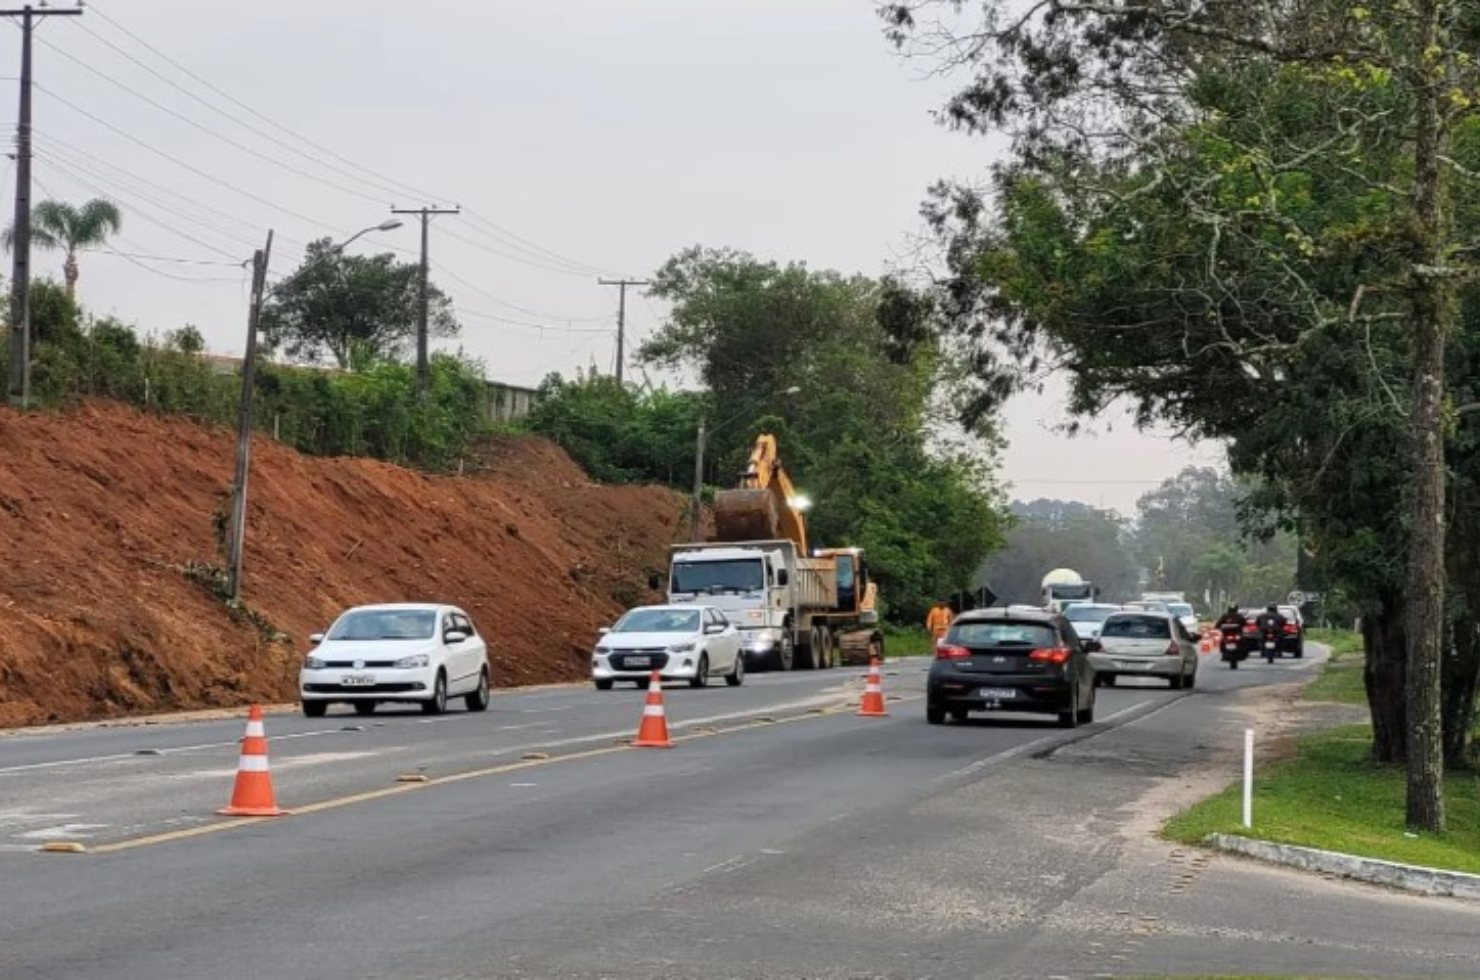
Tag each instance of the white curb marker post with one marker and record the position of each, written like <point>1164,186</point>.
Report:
<point>1248,777</point>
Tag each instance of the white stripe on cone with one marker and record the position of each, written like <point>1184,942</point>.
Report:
<point>652,711</point>
<point>253,763</point>
<point>255,728</point>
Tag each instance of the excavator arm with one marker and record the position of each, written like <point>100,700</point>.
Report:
<point>761,508</point>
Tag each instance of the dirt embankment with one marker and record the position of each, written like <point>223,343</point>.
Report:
<point>104,511</point>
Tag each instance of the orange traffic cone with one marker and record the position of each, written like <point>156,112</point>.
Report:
<point>653,732</point>
<point>873,693</point>
<point>252,794</point>
<point>1206,644</point>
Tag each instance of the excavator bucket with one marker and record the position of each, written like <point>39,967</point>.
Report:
<point>745,515</point>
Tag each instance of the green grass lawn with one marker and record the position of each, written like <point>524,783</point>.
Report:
<point>902,641</point>
<point>1331,796</point>
<point>1341,679</point>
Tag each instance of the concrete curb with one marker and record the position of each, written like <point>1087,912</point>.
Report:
<point>1408,877</point>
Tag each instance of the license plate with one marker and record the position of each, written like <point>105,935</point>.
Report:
<point>997,693</point>
<point>358,680</point>
<point>638,661</point>
<point>1128,664</point>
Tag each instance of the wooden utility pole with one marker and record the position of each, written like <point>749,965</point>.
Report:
<point>424,299</point>
<point>236,534</point>
<point>20,246</point>
<point>622,317</point>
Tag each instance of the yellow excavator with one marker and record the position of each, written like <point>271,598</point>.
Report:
<point>766,507</point>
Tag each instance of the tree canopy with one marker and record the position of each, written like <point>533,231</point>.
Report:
<point>355,310</point>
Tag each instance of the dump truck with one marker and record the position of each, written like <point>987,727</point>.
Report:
<point>796,609</point>
<point>1063,586</point>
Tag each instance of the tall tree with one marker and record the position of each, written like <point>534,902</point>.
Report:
<point>357,310</point>
<point>1091,85</point>
<point>59,226</point>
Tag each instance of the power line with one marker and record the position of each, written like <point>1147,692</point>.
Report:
<point>622,317</point>
<point>380,181</point>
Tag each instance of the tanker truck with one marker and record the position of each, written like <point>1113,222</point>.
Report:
<point>1063,586</point>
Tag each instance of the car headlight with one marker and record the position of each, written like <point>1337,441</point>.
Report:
<point>314,663</point>
<point>682,647</point>
<point>763,639</point>
<point>407,663</point>
<point>603,650</point>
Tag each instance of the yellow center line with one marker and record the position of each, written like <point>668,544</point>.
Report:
<point>400,788</point>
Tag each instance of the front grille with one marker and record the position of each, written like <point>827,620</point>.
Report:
<point>363,689</point>
<point>356,665</point>
<point>657,660</point>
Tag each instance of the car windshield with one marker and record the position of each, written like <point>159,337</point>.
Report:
<point>386,624</point>
<point>1181,608</point>
<point>659,621</point>
<point>1088,614</point>
<point>1003,634</point>
<point>1137,628</point>
<point>730,575</point>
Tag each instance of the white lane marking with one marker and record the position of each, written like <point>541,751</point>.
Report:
<point>30,816</point>
<point>176,750</point>
<point>523,785</point>
<point>66,831</point>
<point>542,711</point>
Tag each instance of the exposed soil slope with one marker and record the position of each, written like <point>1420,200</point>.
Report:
<point>105,511</point>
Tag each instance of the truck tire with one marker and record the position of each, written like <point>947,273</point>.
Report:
<point>785,654</point>
<point>805,658</point>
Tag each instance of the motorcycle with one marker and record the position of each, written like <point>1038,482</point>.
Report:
<point>1230,640</point>
<point>1270,641</point>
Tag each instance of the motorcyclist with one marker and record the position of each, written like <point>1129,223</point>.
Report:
<point>1232,618</point>
<point>1271,620</point>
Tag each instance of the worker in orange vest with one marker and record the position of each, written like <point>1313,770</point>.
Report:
<point>939,620</point>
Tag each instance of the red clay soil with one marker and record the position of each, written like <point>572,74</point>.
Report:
<point>105,511</point>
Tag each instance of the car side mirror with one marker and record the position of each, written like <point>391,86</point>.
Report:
<point>455,636</point>
<point>782,576</point>
<point>655,581</point>
<point>316,638</point>
<point>603,631</point>
<point>713,629</point>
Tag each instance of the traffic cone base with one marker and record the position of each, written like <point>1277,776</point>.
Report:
<point>872,705</point>
<point>252,794</point>
<point>653,732</point>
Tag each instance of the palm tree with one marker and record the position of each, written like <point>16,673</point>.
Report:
<point>59,225</point>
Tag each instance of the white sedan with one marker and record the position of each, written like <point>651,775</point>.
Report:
<point>681,642</point>
<point>412,652</point>
<point>1144,644</point>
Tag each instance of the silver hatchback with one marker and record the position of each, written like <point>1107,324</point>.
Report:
<point>1144,644</point>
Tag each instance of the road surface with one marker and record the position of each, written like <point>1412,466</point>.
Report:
<point>783,837</point>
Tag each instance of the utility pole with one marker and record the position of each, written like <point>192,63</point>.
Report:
<point>20,269</point>
<point>622,317</point>
<point>698,483</point>
<point>236,534</point>
<point>425,214</point>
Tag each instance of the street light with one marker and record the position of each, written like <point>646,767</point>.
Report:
<point>699,459</point>
<point>389,225</point>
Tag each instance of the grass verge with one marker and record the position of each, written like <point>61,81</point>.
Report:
<point>1333,797</point>
<point>906,641</point>
<point>1341,679</point>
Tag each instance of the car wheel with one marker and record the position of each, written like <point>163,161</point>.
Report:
<point>1191,681</point>
<point>960,714</point>
<point>1087,716</point>
<point>736,676</point>
<point>315,709</point>
<point>701,675</point>
<point>605,685</point>
<point>364,707</point>
<point>478,699</point>
<point>1107,680</point>
<point>1177,682</point>
<point>438,702</point>
<point>1233,665</point>
<point>1299,652</point>
<point>935,714</point>
<point>1070,718</point>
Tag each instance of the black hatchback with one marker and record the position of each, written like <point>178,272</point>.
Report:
<point>1011,660</point>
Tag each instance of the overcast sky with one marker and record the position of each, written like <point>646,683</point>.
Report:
<point>582,137</point>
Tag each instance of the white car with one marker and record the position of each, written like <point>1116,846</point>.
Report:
<point>416,652</point>
<point>1188,616</point>
<point>1087,617</point>
<point>681,642</point>
<point>1144,644</point>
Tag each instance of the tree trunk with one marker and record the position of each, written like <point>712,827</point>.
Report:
<point>71,272</point>
<point>1431,306</point>
<point>1461,679</point>
<point>1386,667</point>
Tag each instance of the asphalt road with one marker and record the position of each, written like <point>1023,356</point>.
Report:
<point>782,837</point>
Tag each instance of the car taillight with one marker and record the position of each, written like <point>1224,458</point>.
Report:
<point>1055,655</point>
<point>1173,650</point>
<point>1291,628</point>
<point>945,651</point>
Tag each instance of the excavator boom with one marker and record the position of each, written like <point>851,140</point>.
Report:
<point>762,508</point>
